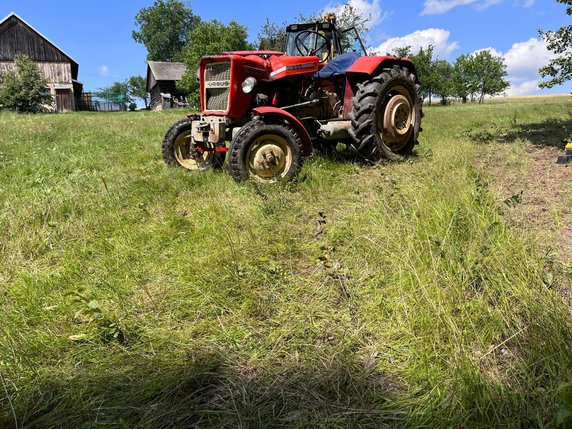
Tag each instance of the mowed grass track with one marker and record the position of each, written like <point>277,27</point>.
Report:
<point>137,295</point>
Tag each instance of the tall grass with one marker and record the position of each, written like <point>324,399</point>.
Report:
<point>133,294</point>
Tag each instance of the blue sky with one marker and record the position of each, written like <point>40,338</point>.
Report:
<point>97,34</point>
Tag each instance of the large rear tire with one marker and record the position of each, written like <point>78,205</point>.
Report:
<point>180,150</point>
<point>386,115</point>
<point>265,152</point>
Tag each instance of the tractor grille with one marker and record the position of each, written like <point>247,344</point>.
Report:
<point>217,85</point>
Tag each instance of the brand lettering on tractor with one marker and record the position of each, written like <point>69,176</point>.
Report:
<point>255,71</point>
<point>300,66</point>
<point>218,84</point>
<point>293,67</point>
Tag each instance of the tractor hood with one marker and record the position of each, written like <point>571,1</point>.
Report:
<point>267,65</point>
<point>257,53</point>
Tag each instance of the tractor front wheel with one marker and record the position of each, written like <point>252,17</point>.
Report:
<point>180,150</point>
<point>265,152</point>
<point>386,115</point>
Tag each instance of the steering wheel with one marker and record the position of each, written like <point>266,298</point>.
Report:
<point>308,52</point>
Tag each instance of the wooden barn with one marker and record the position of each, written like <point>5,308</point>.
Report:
<point>58,68</point>
<point>162,81</point>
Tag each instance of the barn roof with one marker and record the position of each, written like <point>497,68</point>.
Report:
<point>75,65</point>
<point>158,70</point>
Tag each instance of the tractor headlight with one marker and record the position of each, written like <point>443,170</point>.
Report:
<point>248,85</point>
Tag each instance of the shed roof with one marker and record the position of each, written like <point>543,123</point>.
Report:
<point>158,70</point>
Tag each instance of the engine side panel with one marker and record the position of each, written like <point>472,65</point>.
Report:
<point>285,66</point>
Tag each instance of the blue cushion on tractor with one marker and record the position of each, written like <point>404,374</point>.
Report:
<point>338,66</point>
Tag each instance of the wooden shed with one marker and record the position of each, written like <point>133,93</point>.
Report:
<point>58,68</point>
<point>162,78</point>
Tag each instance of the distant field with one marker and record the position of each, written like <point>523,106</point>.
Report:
<point>437,295</point>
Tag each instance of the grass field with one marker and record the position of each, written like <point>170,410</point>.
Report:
<point>136,295</point>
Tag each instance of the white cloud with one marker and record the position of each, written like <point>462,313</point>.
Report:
<point>525,87</point>
<point>485,4</point>
<point>103,70</point>
<point>367,9</point>
<point>439,7</point>
<point>527,57</point>
<point>437,37</point>
<point>522,61</point>
<point>493,51</point>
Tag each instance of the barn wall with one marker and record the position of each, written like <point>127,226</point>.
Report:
<point>16,37</point>
<point>54,73</point>
<point>155,102</point>
<point>165,87</point>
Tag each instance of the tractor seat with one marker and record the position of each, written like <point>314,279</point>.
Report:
<point>338,66</point>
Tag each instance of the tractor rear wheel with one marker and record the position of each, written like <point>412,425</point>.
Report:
<point>386,115</point>
<point>265,152</point>
<point>180,150</point>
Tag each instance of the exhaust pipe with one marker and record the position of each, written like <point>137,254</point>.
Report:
<point>335,130</point>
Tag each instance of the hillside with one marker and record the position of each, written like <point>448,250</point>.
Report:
<point>432,293</point>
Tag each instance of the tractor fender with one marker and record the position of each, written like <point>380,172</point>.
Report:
<point>370,65</point>
<point>363,69</point>
<point>273,113</point>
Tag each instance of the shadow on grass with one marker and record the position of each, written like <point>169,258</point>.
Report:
<point>347,154</point>
<point>550,133</point>
<point>219,390</point>
<point>210,391</point>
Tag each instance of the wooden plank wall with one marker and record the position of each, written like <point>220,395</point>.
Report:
<point>54,73</point>
<point>165,87</point>
<point>16,37</point>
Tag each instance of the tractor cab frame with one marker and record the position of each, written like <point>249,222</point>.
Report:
<point>322,39</point>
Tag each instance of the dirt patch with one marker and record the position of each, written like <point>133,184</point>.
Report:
<point>537,193</point>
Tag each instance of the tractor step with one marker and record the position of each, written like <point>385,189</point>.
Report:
<point>567,157</point>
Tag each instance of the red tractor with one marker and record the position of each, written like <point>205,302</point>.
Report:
<point>277,107</point>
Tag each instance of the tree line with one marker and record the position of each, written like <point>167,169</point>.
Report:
<point>471,77</point>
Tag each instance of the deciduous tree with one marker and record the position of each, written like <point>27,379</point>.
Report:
<point>24,89</point>
<point>117,93</point>
<point>348,16</point>
<point>137,88</point>
<point>165,28</point>
<point>442,73</point>
<point>464,79</point>
<point>559,69</point>
<point>490,73</point>
<point>423,61</point>
<point>272,36</point>
<point>210,38</point>
<point>403,52</point>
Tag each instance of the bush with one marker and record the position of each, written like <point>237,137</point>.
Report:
<point>24,90</point>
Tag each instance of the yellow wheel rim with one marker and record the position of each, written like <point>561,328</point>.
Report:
<point>269,158</point>
<point>398,119</point>
<point>184,156</point>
